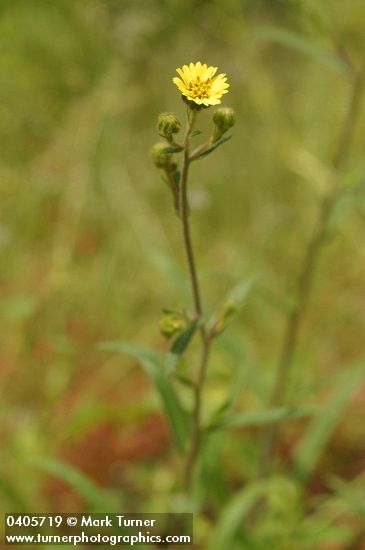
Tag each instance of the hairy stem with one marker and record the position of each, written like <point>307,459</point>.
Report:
<point>196,435</point>
<point>307,272</point>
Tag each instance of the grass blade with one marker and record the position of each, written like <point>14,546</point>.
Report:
<point>98,499</point>
<point>319,432</point>
<point>258,418</point>
<point>233,515</point>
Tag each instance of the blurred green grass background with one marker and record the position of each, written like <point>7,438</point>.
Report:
<point>91,251</point>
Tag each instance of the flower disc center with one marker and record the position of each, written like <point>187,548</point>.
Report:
<point>200,89</point>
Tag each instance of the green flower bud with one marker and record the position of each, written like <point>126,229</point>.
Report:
<point>223,118</point>
<point>159,156</point>
<point>168,125</point>
<point>171,324</point>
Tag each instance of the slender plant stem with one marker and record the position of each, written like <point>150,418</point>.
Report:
<point>196,435</point>
<point>184,215</point>
<point>306,275</point>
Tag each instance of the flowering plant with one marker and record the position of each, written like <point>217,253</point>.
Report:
<point>200,89</point>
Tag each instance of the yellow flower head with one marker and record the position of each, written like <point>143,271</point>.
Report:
<point>198,84</point>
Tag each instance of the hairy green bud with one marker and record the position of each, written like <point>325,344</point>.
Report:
<point>171,324</point>
<point>167,125</point>
<point>160,157</point>
<point>223,118</point>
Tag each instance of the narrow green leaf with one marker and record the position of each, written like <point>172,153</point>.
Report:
<point>171,149</point>
<point>232,518</point>
<point>180,345</point>
<point>142,353</point>
<point>258,418</point>
<point>238,378</point>
<point>171,363</point>
<point>176,178</point>
<point>211,480</point>
<point>183,380</point>
<point>234,349</point>
<point>97,498</point>
<point>213,147</point>
<point>319,432</point>
<point>239,293</point>
<point>195,133</point>
<point>231,306</point>
<point>184,338</point>
<point>168,311</point>
<point>219,417</point>
<point>303,45</point>
<point>153,364</point>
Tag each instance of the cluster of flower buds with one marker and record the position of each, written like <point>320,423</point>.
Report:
<point>200,88</point>
<point>161,153</point>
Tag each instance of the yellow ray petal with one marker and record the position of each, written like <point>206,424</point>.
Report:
<point>182,75</point>
<point>211,71</point>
